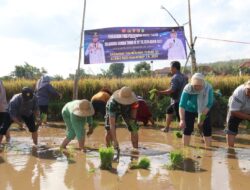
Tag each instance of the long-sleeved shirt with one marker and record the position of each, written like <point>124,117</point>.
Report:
<point>189,101</point>
<point>18,107</point>
<point>44,93</point>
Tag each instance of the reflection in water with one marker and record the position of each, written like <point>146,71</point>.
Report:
<point>46,168</point>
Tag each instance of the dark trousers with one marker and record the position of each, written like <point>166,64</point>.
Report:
<point>5,122</point>
<point>44,109</point>
<point>190,119</point>
<point>174,108</point>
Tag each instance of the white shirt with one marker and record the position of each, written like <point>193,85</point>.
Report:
<point>175,49</point>
<point>239,101</point>
<point>96,53</point>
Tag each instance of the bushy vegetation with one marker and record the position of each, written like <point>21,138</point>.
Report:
<point>176,159</point>
<point>141,86</point>
<point>106,156</point>
<point>143,163</point>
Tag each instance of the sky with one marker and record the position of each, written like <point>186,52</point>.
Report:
<point>46,33</point>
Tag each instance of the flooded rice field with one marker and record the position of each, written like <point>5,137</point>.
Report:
<point>45,167</point>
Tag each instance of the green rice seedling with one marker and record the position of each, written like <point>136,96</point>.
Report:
<point>44,117</point>
<point>71,153</point>
<point>152,93</point>
<point>106,156</point>
<point>134,126</point>
<point>92,170</point>
<point>178,134</point>
<point>201,118</point>
<point>176,159</point>
<point>143,163</point>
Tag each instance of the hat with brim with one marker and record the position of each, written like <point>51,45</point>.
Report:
<point>83,108</point>
<point>125,96</point>
<point>247,84</point>
<point>197,79</point>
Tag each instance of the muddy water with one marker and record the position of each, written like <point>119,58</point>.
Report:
<point>45,167</point>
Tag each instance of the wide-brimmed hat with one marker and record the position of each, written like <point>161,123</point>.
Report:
<point>27,93</point>
<point>247,84</point>
<point>125,96</point>
<point>83,108</point>
<point>197,79</point>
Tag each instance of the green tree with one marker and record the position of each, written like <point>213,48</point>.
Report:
<point>58,77</point>
<point>82,74</point>
<point>27,71</point>
<point>116,69</point>
<point>143,69</point>
<point>142,66</point>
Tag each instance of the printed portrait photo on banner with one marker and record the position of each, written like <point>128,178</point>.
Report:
<point>95,51</point>
<point>174,46</point>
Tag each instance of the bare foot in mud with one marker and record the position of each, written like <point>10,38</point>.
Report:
<point>165,130</point>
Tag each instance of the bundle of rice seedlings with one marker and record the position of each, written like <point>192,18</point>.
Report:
<point>176,160</point>
<point>143,163</point>
<point>44,117</point>
<point>178,134</point>
<point>106,156</point>
<point>152,93</point>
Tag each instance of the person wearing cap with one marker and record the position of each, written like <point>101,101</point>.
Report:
<point>24,111</point>
<point>177,83</point>
<point>4,115</point>
<point>196,100</point>
<point>238,111</point>
<point>175,47</point>
<point>44,91</point>
<point>99,101</point>
<point>75,115</point>
<point>95,51</point>
<point>123,103</point>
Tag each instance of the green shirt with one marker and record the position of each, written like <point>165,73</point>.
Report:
<point>75,120</point>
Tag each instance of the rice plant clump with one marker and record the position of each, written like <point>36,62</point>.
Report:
<point>144,163</point>
<point>106,156</point>
<point>178,134</point>
<point>176,160</point>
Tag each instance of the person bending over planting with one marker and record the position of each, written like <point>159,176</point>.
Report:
<point>4,115</point>
<point>143,113</point>
<point>123,103</point>
<point>196,100</point>
<point>239,110</point>
<point>23,110</point>
<point>99,101</point>
<point>75,115</point>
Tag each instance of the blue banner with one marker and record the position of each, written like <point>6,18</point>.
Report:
<point>122,44</point>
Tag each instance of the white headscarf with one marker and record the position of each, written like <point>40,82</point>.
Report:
<point>203,95</point>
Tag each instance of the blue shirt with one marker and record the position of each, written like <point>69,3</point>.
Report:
<point>43,94</point>
<point>178,82</point>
